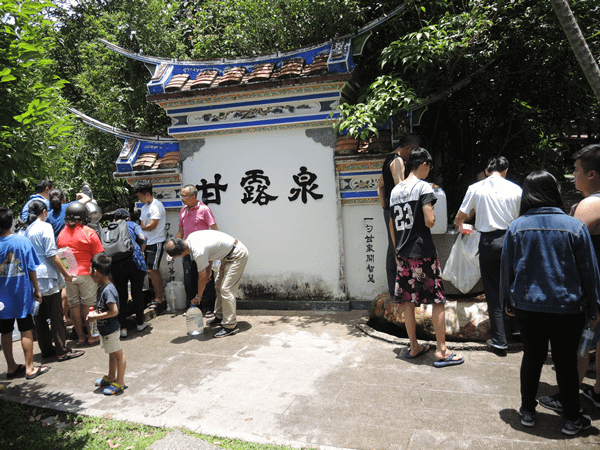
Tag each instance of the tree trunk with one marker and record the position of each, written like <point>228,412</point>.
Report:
<point>578,44</point>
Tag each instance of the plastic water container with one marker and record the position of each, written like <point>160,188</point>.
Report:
<point>194,321</point>
<point>441,212</point>
<point>93,325</point>
<point>175,294</point>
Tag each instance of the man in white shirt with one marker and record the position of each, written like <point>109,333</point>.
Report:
<point>495,201</point>
<point>153,219</point>
<point>204,247</point>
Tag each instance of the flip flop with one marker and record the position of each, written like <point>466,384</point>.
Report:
<point>18,371</point>
<point>81,343</point>
<point>70,355</point>
<point>449,361</point>
<point>40,371</point>
<point>424,350</point>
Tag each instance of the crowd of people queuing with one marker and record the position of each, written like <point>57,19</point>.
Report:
<point>42,296</point>
<point>538,267</point>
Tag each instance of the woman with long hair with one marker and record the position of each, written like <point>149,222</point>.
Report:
<point>549,281</point>
<point>50,274</point>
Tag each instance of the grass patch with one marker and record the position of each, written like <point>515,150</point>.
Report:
<point>32,428</point>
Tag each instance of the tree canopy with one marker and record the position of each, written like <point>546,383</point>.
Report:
<point>497,77</point>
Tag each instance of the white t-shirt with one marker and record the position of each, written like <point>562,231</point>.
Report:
<point>496,202</point>
<point>209,245</point>
<point>154,210</point>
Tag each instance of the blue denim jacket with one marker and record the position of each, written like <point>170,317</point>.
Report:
<point>549,264</point>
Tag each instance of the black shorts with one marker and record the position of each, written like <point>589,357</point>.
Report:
<point>8,325</point>
<point>154,254</point>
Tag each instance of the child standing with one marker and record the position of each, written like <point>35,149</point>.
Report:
<point>106,314</point>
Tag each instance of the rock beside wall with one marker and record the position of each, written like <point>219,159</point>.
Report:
<point>466,319</point>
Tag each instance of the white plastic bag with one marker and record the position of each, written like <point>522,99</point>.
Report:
<point>462,266</point>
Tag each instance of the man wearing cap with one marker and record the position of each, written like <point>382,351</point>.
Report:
<point>204,247</point>
<point>196,216</point>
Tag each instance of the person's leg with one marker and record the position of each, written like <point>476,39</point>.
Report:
<point>43,330</point>
<point>232,273</point>
<point>120,272</point>
<point>535,337</point>
<point>137,295</point>
<point>112,366</point>
<point>120,363</point>
<point>65,307</point>
<point>27,346</point>
<point>438,320</point>
<point>411,328</point>
<point>390,256</point>
<point>188,281</point>
<point>565,330</point>
<point>6,331</point>
<point>74,300</point>
<point>490,253</point>
<point>57,324</point>
<point>88,291</point>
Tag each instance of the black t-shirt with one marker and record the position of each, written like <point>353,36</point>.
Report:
<point>413,237</point>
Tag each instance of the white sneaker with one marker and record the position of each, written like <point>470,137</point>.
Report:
<point>123,333</point>
<point>143,326</point>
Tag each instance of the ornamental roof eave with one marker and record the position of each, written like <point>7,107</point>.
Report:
<point>275,84</point>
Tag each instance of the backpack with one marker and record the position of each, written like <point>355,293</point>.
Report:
<point>116,240</point>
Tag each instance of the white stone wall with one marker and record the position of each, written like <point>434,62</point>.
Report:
<point>295,248</point>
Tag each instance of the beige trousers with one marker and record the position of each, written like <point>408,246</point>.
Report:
<point>227,282</point>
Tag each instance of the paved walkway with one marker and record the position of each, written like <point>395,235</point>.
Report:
<point>307,379</point>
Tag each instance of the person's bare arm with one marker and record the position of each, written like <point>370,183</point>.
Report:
<point>588,211</point>
<point>214,227</point>
<point>429,215</point>
<point>397,170</point>
<point>151,225</point>
<point>56,261</point>
<point>381,191</point>
<point>461,218</point>
<point>179,234</point>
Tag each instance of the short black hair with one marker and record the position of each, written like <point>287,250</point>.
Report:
<point>540,189</point>
<point>6,219</point>
<point>589,157</point>
<point>409,139</point>
<point>101,262</point>
<point>143,187</point>
<point>498,164</point>
<point>417,157</point>
<point>177,247</point>
<point>42,186</point>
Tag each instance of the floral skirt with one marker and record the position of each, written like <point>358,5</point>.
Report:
<point>419,281</point>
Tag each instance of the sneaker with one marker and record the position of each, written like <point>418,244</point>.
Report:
<point>214,321</point>
<point>572,427</point>
<point>226,332</point>
<point>589,393</point>
<point>552,403</point>
<point>527,418</point>
<point>143,326</point>
<point>123,332</point>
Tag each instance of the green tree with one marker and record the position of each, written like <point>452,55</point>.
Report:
<point>32,114</point>
<point>500,78</point>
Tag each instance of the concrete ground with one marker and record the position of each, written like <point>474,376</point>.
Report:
<point>310,380</point>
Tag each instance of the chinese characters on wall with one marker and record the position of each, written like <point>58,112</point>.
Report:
<point>370,250</point>
<point>256,183</point>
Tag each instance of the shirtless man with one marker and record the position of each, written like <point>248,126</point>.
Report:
<point>587,181</point>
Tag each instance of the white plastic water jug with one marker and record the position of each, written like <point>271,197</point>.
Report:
<point>441,212</point>
<point>175,293</point>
